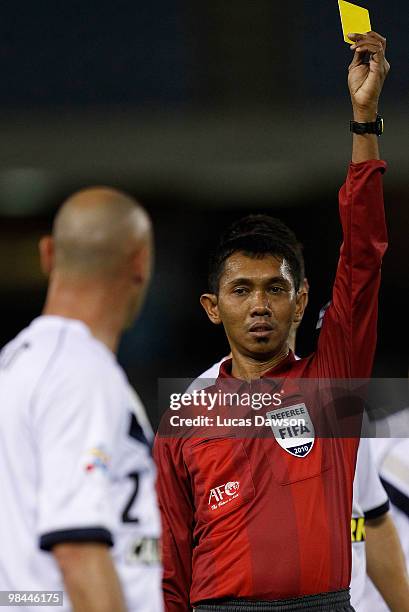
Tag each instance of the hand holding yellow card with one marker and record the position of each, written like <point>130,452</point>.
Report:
<point>354,19</point>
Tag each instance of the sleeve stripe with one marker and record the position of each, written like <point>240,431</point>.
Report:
<point>398,499</point>
<point>377,512</point>
<point>87,534</point>
<point>136,431</point>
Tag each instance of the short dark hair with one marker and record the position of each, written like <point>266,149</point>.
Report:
<point>257,236</point>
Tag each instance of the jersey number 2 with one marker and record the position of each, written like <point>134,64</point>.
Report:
<point>126,518</point>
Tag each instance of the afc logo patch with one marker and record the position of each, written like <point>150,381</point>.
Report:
<point>223,494</point>
<point>293,429</point>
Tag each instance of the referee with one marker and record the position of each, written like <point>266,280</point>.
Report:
<point>264,523</point>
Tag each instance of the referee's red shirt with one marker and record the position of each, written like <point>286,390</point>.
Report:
<point>287,531</point>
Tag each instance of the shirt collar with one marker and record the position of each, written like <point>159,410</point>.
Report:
<point>279,370</point>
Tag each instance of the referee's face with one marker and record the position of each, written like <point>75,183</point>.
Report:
<point>257,304</point>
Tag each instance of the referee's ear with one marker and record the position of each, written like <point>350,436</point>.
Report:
<point>209,303</point>
<point>47,254</point>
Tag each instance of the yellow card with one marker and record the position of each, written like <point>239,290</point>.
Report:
<point>354,19</point>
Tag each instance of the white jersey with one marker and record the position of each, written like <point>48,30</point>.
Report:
<point>369,501</point>
<point>392,459</point>
<point>369,497</point>
<point>75,462</point>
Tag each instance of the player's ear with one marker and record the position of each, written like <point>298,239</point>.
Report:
<point>301,303</point>
<point>305,286</point>
<point>47,254</point>
<point>210,304</point>
<point>142,264</point>
<point>305,289</point>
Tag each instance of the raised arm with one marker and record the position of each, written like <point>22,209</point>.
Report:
<point>347,342</point>
<point>365,83</point>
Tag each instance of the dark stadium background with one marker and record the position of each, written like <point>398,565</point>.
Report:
<point>205,112</point>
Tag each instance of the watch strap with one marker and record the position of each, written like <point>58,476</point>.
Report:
<point>372,127</point>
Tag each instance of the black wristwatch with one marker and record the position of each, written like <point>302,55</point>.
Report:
<point>373,127</point>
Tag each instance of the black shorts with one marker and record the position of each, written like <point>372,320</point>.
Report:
<point>338,601</point>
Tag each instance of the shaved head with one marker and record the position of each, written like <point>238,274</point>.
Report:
<point>97,229</point>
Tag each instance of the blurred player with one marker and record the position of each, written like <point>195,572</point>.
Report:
<point>248,522</point>
<point>377,556</point>
<point>392,459</point>
<point>78,509</point>
<point>382,555</point>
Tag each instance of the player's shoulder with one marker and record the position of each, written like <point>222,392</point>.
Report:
<point>369,493</point>
<point>365,463</point>
<point>206,378</point>
<point>69,351</point>
<point>213,372</point>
